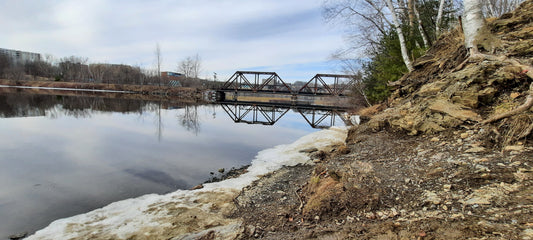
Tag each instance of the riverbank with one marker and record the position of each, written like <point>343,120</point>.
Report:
<point>107,90</point>
<point>186,213</point>
<point>380,185</point>
<point>394,186</point>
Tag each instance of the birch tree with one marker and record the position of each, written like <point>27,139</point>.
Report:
<point>472,23</point>
<point>439,18</point>
<point>401,36</point>
<point>421,27</point>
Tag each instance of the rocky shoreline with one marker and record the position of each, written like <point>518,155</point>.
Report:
<point>393,186</point>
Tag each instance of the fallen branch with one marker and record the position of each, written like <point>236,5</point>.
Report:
<point>524,107</point>
<point>301,202</point>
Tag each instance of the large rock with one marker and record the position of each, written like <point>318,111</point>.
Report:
<point>444,106</point>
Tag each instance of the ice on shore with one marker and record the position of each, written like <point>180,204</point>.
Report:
<point>185,213</point>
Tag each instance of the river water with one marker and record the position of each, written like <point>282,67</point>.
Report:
<point>65,155</point>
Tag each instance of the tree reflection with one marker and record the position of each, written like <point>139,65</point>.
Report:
<point>189,119</point>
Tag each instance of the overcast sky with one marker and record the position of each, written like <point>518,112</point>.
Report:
<point>289,37</point>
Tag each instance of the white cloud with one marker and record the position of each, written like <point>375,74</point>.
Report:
<point>228,35</point>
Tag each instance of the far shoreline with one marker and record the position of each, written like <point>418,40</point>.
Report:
<point>127,91</point>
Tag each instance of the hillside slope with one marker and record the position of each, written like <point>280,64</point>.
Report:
<point>448,89</point>
<point>428,166</point>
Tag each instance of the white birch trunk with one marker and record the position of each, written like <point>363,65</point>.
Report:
<point>420,28</point>
<point>472,22</point>
<point>401,37</point>
<point>439,18</point>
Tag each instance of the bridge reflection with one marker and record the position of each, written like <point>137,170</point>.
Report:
<point>270,113</point>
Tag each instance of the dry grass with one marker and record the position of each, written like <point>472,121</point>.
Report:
<point>516,128</point>
<point>371,111</point>
<point>322,193</point>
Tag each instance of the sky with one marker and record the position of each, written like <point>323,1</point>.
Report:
<point>289,37</point>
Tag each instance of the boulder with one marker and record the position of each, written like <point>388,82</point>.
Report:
<point>444,106</point>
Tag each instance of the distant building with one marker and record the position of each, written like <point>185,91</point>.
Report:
<point>172,78</point>
<point>172,75</point>
<point>20,57</point>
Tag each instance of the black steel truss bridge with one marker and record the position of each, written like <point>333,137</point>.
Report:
<point>320,84</point>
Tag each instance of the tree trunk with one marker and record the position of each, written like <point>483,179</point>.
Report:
<point>439,19</point>
<point>401,37</point>
<point>421,28</point>
<point>411,13</point>
<point>472,22</point>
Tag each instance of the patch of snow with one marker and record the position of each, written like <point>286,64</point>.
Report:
<point>355,119</point>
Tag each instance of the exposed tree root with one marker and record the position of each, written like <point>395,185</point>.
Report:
<point>522,108</point>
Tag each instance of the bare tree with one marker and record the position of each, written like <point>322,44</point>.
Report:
<point>352,67</point>
<point>495,8</point>
<point>366,18</point>
<point>371,20</point>
<point>74,68</point>
<point>158,59</point>
<point>5,64</point>
<point>191,66</point>
<point>197,66</point>
<point>97,72</point>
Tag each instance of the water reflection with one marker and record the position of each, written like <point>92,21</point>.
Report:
<point>269,114</point>
<point>26,105</point>
<point>23,105</point>
<point>189,119</point>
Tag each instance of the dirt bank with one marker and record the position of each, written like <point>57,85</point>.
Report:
<point>393,186</point>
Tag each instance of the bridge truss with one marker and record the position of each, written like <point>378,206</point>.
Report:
<point>262,81</point>
<point>318,85</point>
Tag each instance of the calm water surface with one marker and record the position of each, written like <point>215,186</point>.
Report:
<point>64,155</point>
